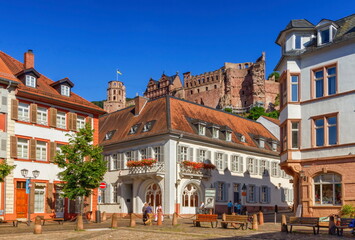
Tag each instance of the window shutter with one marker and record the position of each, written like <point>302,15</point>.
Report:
<point>225,161</point>
<point>248,191</point>
<point>149,153</point>
<point>215,160</point>
<point>70,121</point>
<point>197,155</point>
<point>52,151</point>
<point>191,154</point>
<point>14,109</point>
<point>3,144</point>
<point>74,118</point>
<point>209,157</point>
<point>241,162</point>
<point>278,170</point>
<point>89,121</point>
<point>53,117</point>
<point>108,193</point>
<point>33,111</point>
<point>162,153</point>
<point>33,149</point>
<point>232,164</point>
<point>226,191</point>
<point>255,161</point>
<point>283,197</point>
<point>178,154</point>
<point>260,163</point>
<point>13,147</point>
<point>49,198</point>
<point>257,194</point>
<point>268,195</point>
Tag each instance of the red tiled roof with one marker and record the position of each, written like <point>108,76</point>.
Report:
<point>10,66</point>
<point>173,116</point>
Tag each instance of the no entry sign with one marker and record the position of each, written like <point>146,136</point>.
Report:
<point>102,185</point>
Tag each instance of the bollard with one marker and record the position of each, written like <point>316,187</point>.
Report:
<point>175,221</point>
<point>160,216</point>
<point>114,221</point>
<point>283,223</point>
<point>224,217</point>
<point>79,223</point>
<point>104,218</point>
<point>38,227</point>
<point>132,222</point>
<point>98,216</point>
<point>261,218</point>
<point>255,222</point>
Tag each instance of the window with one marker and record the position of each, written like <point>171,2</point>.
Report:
<point>219,161</point>
<point>59,148</point>
<point>322,88</point>
<point>158,153</point>
<point>215,132</point>
<point>221,191</point>
<point>275,169</point>
<point>228,136</point>
<point>22,148</point>
<point>252,165</point>
<point>263,167</point>
<point>143,153</point>
<point>30,81</point>
<point>251,193</point>
<point>23,112</point>
<point>114,160</point>
<point>108,135</point>
<point>148,126</point>
<point>114,193</point>
<point>327,189</point>
<point>283,88</point>
<point>202,155</point>
<point>80,122</point>
<point>236,163</point>
<point>128,156</point>
<point>65,90</point>
<point>134,129</point>
<point>61,120</point>
<point>298,42</point>
<point>41,151</point>
<point>102,196</point>
<point>264,194</point>
<point>42,116</point>
<point>183,154</point>
<point>325,130</point>
<point>324,35</point>
<point>190,196</point>
<point>294,89</point>
<point>295,134</point>
<point>201,129</point>
<point>39,198</point>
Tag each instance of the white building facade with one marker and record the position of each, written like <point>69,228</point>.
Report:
<point>317,99</point>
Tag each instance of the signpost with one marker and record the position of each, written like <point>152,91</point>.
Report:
<point>210,197</point>
<point>98,212</point>
<point>103,185</point>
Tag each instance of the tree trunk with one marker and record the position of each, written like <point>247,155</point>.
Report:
<point>79,218</point>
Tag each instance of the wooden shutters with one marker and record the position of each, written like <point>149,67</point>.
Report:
<point>52,151</point>
<point>53,117</point>
<point>89,121</point>
<point>49,203</point>
<point>33,116</point>
<point>14,109</point>
<point>33,149</point>
<point>13,147</point>
<point>72,121</point>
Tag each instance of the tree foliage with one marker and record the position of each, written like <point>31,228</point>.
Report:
<point>5,170</point>
<point>275,74</point>
<point>82,163</point>
<point>256,112</point>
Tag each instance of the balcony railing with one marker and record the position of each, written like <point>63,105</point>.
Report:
<point>187,171</point>
<point>156,168</point>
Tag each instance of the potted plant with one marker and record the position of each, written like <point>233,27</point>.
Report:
<point>347,211</point>
<point>144,162</point>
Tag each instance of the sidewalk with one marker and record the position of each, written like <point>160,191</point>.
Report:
<point>184,230</point>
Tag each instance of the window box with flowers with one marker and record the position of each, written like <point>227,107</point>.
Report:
<point>198,165</point>
<point>142,163</point>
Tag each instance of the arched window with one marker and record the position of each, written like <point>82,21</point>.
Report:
<point>327,189</point>
<point>153,195</point>
<point>190,196</point>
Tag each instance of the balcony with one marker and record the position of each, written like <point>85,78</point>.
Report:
<point>189,172</point>
<point>156,170</point>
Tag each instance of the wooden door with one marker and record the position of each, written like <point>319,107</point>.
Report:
<point>21,200</point>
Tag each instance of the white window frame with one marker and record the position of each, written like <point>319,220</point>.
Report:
<point>201,129</point>
<point>184,153</point>
<point>236,163</point>
<point>65,90</point>
<point>228,136</point>
<point>24,112</point>
<point>22,148</point>
<point>215,132</point>
<point>202,155</point>
<point>42,116</point>
<point>41,151</point>
<point>61,120</point>
<point>219,161</point>
<point>158,153</point>
<point>114,187</point>
<point>264,194</point>
<point>252,165</point>
<point>80,122</point>
<point>252,193</point>
<point>30,81</point>
<point>39,205</point>
<point>275,169</point>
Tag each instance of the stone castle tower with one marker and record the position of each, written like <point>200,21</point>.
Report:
<point>116,96</point>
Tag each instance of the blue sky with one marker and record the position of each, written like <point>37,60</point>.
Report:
<point>88,40</point>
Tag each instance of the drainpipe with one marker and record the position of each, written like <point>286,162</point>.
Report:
<point>177,183</point>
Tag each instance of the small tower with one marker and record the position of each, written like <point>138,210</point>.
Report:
<point>116,96</point>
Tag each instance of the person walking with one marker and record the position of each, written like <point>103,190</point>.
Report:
<point>201,209</point>
<point>230,205</point>
<point>235,207</point>
<point>158,210</point>
<point>239,208</point>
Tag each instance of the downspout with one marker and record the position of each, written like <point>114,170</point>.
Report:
<point>177,183</point>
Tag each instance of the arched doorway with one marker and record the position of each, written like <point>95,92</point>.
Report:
<point>153,195</point>
<point>190,199</point>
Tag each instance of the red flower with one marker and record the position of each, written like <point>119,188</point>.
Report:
<point>144,162</point>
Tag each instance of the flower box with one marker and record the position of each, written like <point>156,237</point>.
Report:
<point>198,165</point>
<point>144,162</point>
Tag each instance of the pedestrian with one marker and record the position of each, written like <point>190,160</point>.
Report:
<point>144,210</point>
<point>148,215</point>
<point>239,208</point>
<point>230,205</point>
<point>158,210</point>
<point>235,207</point>
<point>201,209</point>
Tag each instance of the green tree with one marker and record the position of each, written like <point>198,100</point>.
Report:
<point>83,166</point>
<point>256,112</point>
<point>276,74</point>
<point>5,170</point>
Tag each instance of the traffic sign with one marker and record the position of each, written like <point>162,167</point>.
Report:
<point>102,185</point>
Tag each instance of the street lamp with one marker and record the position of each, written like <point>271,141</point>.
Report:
<point>244,194</point>
<point>35,174</point>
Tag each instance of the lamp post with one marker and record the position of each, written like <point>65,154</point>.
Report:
<point>35,174</point>
<point>244,193</point>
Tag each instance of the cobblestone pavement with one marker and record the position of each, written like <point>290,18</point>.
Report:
<point>184,230</point>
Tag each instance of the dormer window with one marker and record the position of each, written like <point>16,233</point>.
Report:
<point>274,145</point>
<point>228,136</point>
<point>326,34</point>
<point>215,132</point>
<point>65,90</point>
<point>109,135</point>
<point>30,81</point>
<point>242,138</point>
<point>261,142</point>
<point>134,129</point>
<point>201,129</point>
<point>298,42</point>
<point>148,126</point>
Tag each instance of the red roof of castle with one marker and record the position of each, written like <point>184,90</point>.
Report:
<point>10,67</point>
<point>174,115</point>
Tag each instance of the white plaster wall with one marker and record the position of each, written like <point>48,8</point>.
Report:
<point>48,171</point>
<point>272,127</point>
<point>51,134</point>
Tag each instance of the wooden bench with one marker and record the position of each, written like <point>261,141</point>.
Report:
<point>55,219</point>
<point>212,218</point>
<point>304,222</point>
<point>15,222</point>
<point>242,220</point>
<point>344,223</point>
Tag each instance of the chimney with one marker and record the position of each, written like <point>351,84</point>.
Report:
<point>29,61</point>
<point>139,103</point>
